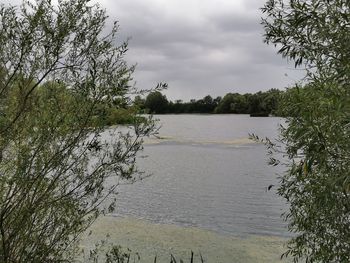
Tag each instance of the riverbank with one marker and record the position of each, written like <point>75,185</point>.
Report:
<point>149,240</point>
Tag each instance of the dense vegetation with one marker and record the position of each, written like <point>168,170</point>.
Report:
<point>260,103</point>
<point>316,35</point>
<point>59,71</point>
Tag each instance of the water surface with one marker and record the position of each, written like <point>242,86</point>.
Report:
<point>207,174</point>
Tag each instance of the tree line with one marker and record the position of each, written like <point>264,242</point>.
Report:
<point>257,104</point>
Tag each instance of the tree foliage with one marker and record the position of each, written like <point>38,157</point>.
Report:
<point>316,35</point>
<point>263,103</point>
<point>58,171</point>
<point>156,102</point>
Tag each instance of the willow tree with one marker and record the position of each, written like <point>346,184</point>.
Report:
<point>58,168</point>
<point>316,35</point>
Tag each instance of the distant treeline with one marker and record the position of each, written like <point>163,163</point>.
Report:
<point>257,104</point>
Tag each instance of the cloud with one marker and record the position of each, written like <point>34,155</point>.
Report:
<point>199,47</point>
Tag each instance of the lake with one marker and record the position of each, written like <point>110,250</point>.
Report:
<point>207,174</point>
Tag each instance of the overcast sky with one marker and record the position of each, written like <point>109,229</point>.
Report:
<point>199,47</point>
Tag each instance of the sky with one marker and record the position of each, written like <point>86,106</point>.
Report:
<point>199,47</point>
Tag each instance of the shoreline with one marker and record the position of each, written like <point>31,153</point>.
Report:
<point>153,239</point>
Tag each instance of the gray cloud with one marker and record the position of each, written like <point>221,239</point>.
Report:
<point>199,50</point>
<point>199,47</point>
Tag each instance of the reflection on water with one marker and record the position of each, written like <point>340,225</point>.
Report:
<point>207,174</point>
